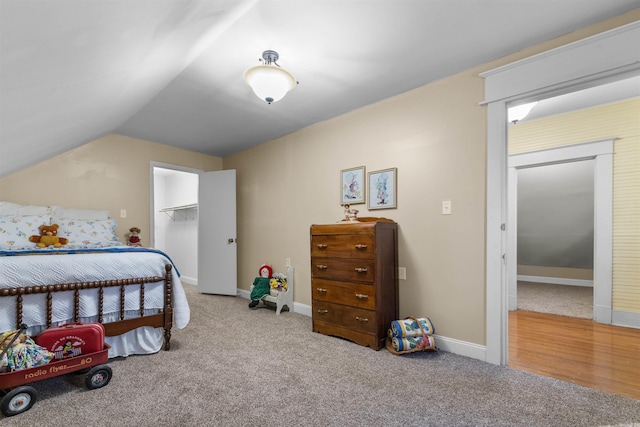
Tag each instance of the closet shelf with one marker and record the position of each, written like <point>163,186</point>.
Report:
<point>179,208</point>
<point>184,212</point>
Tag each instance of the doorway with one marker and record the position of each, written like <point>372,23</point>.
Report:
<point>595,60</point>
<point>193,220</point>
<point>174,217</point>
<point>555,228</point>
<point>585,171</point>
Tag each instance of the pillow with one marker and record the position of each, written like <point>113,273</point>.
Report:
<point>15,231</point>
<point>8,208</point>
<point>87,234</point>
<point>85,214</point>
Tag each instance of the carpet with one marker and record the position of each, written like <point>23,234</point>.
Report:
<point>565,300</point>
<point>235,366</point>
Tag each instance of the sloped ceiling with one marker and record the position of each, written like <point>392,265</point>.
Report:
<point>171,71</point>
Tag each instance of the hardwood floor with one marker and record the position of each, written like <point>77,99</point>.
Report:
<point>579,351</point>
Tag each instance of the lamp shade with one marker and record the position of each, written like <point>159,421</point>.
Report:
<point>269,82</point>
<point>520,112</point>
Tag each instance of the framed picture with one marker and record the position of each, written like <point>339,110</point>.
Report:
<point>352,186</point>
<point>382,186</point>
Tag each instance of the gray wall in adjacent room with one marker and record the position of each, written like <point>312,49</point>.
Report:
<point>556,215</point>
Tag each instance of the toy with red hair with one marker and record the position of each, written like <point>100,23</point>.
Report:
<point>261,286</point>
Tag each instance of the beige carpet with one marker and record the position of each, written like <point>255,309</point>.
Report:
<point>565,300</point>
<point>234,366</point>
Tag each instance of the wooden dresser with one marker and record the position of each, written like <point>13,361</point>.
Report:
<point>354,280</point>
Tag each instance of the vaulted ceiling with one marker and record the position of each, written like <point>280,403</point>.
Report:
<point>170,71</point>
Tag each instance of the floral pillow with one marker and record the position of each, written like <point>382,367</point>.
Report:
<point>15,231</point>
<point>87,234</point>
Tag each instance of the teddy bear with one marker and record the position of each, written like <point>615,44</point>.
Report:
<point>48,237</point>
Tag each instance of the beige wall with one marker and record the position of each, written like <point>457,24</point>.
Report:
<point>111,173</point>
<point>435,135</point>
<point>288,184</point>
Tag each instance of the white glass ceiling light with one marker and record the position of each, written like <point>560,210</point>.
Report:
<point>519,112</point>
<point>269,81</point>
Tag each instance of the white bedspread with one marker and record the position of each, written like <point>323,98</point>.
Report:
<point>29,270</point>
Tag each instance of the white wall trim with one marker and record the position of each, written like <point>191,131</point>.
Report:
<point>594,58</point>
<point>626,319</point>
<point>452,345</point>
<point>463,348</point>
<point>189,280</point>
<point>587,63</point>
<point>554,281</point>
<point>297,307</point>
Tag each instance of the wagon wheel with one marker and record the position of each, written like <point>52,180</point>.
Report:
<point>98,376</point>
<point>18,400</point>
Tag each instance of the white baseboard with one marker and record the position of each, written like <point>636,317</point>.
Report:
<point>462,348</point>
<point>625,318</point>
<point>189,280</point>
<point>451,345</point>
<point>297,307</point>
<point>555,280</point>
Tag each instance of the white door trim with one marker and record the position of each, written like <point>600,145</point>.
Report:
<point>602,154</point>
<point>586,63</point>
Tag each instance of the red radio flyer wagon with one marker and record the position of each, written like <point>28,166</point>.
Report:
<point>16,397</point>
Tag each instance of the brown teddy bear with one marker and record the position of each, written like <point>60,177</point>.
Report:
<point>48,237</point>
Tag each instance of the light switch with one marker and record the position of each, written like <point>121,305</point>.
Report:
<point>123,213</point>
<point>446,207</point>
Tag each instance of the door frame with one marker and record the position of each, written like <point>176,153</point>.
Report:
<point>601,152</point>
<point>589,62</point>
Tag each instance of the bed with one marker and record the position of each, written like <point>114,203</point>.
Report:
<point>135,292</point>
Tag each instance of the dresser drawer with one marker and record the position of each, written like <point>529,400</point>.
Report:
<point>356,319</point>
<point>343,246</point>
<point>351,294</point>
<point>358,270</point>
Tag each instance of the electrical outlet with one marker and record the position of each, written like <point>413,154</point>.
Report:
<point>402,273</point>
<point>287,262</point>
<point>123,213</point>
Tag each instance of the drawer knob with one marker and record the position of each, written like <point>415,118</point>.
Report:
<point>322,245</point>
<point>361,270</point>
<point>362,319</point>
<point>362,296</point>
<point>321,290</point>
<point>361,246</point>
<point>321,267</point>
<point>323,311</point>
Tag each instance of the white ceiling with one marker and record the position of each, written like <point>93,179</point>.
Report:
<point>170,71</point>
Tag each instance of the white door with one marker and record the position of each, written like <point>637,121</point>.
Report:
<point>217,263</point>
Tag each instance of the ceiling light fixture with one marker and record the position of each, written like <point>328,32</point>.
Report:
<point>269,81</point>
<point>519,112</point>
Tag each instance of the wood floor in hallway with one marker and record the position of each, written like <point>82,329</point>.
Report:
<point>579,351</point>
